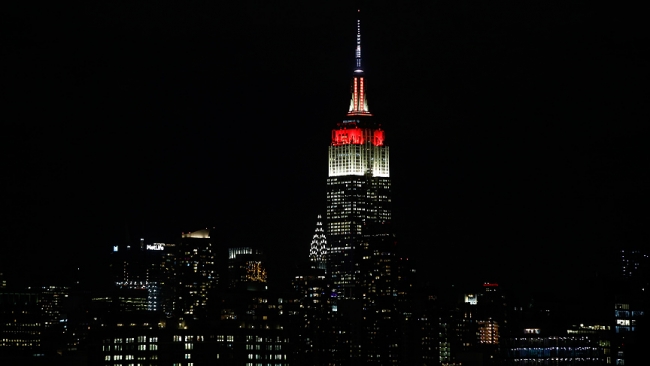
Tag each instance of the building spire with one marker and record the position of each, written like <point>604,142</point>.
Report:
<point>318,249</point>
<point>358,50</point>
<point>359,101</point>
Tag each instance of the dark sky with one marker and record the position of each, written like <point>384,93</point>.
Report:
<point>518,130</point>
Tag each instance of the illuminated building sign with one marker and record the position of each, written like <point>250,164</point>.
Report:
<point>156,246</point>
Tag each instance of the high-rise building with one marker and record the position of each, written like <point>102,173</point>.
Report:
<point>193,273</point>
<point>318,248</point>
<point>358,191</point>
<point>360,260</point>
<point>247,268</point>
<point>632,263</point>
<point>137,271</point>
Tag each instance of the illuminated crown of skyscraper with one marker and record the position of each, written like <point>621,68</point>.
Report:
<point>318,248</point>
<point>359,100</point>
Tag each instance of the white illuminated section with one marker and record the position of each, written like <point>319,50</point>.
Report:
<point>358,160</point>
<point>318,248</point>
<point>199,234</point>
<point>156,246</point>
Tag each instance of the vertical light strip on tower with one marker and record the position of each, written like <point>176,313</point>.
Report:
<point>358,49</point>
<point>355,94</point>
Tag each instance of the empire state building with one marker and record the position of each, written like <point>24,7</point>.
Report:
<point>358,212</point>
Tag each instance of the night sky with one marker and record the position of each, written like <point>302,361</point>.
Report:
<point>518,130</point>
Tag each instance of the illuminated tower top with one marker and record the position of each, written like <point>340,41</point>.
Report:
<point>359,101</point>
<point>357,147</point>
<point>358,50</point>
<point>318,249</point>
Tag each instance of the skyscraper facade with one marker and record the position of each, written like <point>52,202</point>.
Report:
<point>358,189</point>
<point>360,258</point>
<point>192,274</point>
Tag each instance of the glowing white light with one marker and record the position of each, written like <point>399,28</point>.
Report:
<point>358,160</point>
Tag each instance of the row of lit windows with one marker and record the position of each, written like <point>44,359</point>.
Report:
<point>189,338</point>
<point>269,347</point>
<point>141,339</point>
<point>258,339</point>
<point>141,347</point>
<point>19,343</point>
<point>255,356</point>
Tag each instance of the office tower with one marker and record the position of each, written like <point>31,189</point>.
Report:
<point>633,263</point>
<point>361,260</point>
<point>52,301</point>
<point>491,317</point>
<point>246,268</point>
<point>318,248</point>
<point>358,191</point>
<point>193,273</point>
<point>137,274</point>
<point>21,324</point>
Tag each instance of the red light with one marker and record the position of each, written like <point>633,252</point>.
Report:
<point>355,104</point>
<point>353,136</point>
<point>487,284</point>
<point>378,138</point>
<point>359,107</point>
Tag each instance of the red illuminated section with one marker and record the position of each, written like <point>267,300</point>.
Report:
<point>355,96</point>
<point>359,105</point>
<point>490,284</point>
<point>361,96</point>
<point>355,136</point>
<point>378,137</point>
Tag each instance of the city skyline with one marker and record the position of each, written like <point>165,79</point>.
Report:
<point>513,131</point>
